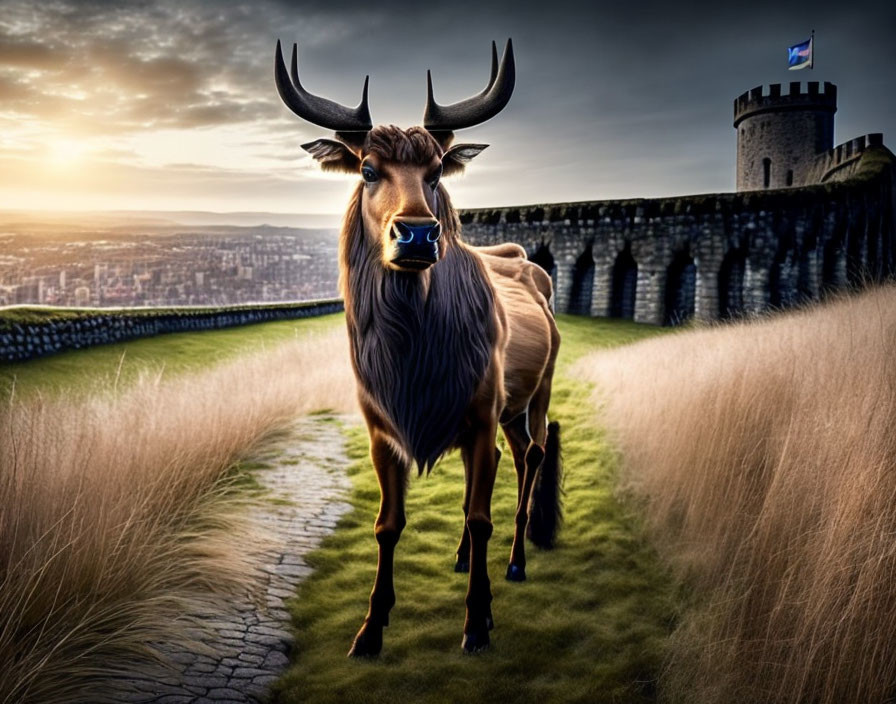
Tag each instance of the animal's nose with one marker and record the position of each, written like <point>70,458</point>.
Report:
<point>416,233</point>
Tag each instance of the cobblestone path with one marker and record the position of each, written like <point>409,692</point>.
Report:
<point>308,482</point>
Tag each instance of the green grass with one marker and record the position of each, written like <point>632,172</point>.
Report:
<point>590,624</point>
<point>81,371</point>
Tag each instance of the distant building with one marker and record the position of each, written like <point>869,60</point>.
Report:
<point>82,296</point>
<point>156,269</point>
<point>29,291</point>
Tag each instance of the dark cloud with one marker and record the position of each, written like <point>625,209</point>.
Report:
<point>612,99</point>
<point>25,53</point>
<point>140,65</point>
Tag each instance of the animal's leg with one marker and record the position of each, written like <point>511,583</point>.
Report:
<point>538,409</point>
<point>527,457</point>
<point>463,549</point>
<point>391,470</point>
<point>479,524</point>
<point>544,503</point>
<point>517,436</point>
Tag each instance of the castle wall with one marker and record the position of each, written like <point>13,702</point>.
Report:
<point>752,251</point>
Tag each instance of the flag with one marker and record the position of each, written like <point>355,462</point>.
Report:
<point>800,55</point>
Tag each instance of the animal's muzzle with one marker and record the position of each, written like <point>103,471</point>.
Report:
<point>416,245</point>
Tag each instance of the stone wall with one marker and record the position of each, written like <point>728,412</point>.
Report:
<point>22,341</point>
<point>712,256</point>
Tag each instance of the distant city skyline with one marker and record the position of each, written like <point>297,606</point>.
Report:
<point>159,266</point>
<point>171,106</point>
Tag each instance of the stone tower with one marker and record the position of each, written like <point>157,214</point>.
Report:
<point>779,136</point>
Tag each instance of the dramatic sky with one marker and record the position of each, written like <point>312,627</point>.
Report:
<point>171,105</point>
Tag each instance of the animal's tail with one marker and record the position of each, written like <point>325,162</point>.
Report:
<point>545,511</point>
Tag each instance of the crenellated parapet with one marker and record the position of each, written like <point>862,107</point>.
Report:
<point>779,134</point>
<point>757,101</point>
<point>841,161</point>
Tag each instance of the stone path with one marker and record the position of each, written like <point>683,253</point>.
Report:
<point>307,481</point>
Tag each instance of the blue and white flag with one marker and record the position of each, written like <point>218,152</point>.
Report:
<point>800,55</point>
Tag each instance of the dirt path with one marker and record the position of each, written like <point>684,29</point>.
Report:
<point>308,485</point>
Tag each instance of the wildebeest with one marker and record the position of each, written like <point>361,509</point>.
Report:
<point>447,341</point>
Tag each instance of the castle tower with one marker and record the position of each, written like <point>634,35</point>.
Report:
<point>779,136</point>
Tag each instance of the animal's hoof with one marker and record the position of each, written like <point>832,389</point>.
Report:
<point>368,643</point>
<point>462,566</point>
<point>516,573</point>
<point>475,641</point>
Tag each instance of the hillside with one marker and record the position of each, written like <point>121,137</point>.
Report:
<point>764,459</point>
<point>189,406</point>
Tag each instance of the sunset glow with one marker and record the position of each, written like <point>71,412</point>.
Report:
<point>163,105</point>
<point>65,153</point>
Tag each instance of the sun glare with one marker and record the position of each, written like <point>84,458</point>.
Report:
<point>65,153</point>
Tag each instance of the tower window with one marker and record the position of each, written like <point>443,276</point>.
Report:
<point>766,172</point>
<point>789,177</point>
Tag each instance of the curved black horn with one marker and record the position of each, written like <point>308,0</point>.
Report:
<point>479,108</point>
<point>313,108</point>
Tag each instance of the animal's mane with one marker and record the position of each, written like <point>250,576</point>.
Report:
<point>414,145</point>
<point>419,354</point>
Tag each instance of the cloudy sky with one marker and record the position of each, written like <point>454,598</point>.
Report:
<point>171,105</point>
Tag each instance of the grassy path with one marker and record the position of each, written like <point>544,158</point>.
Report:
<point>589,626</point>
<point>301,477</point>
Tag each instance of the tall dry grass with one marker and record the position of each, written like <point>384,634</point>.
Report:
<point>765,455</point>
<point>115,515</point>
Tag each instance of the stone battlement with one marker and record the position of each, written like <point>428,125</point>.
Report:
<point>755,101</point>
<point>837,163</point>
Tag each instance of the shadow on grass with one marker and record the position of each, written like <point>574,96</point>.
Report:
<point>590,625</point>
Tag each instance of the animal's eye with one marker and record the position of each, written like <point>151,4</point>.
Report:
<point>369,174</point>
<point>433,178</point>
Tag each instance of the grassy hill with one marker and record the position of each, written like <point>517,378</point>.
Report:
<point>589,625</point>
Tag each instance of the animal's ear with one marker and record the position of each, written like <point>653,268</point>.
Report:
<point>333,155</point>
<point>457,157</point>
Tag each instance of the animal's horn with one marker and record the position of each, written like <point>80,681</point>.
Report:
<point>313,108</point>
<point>479,108</point>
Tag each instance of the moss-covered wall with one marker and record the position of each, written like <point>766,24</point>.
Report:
<point>27,333</point>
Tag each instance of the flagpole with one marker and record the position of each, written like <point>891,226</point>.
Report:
<point>812,51</point>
